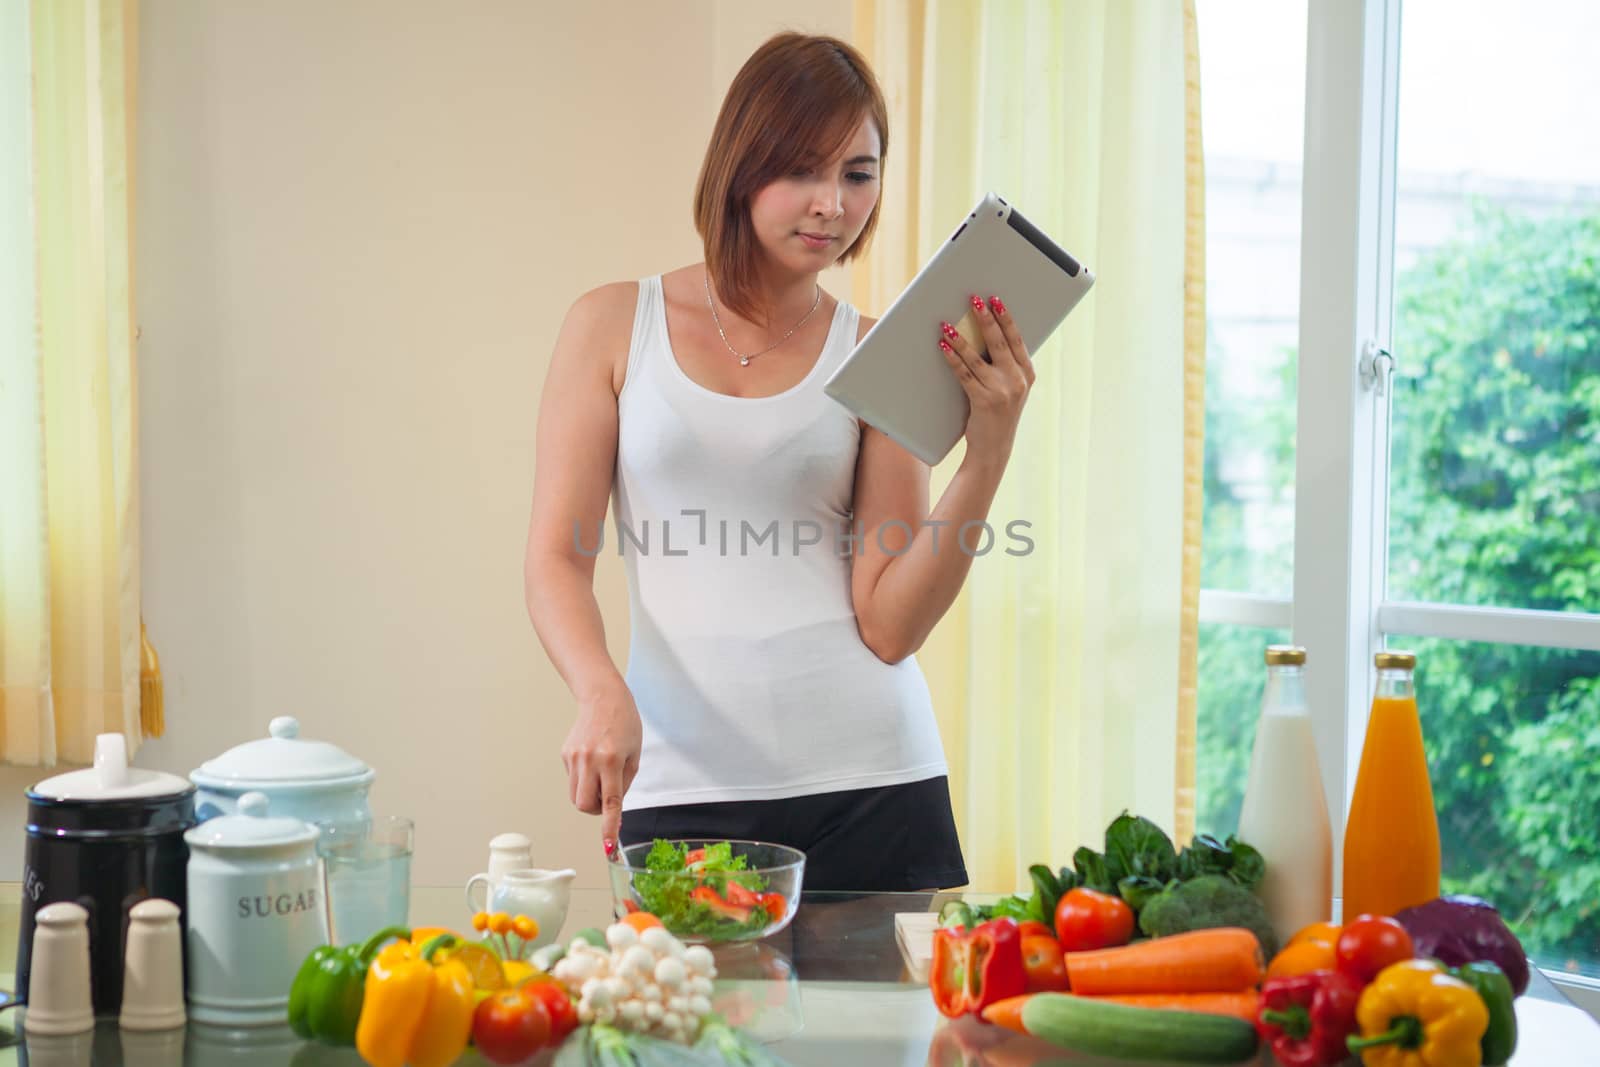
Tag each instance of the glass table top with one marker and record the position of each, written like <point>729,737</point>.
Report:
<point>831,989</point>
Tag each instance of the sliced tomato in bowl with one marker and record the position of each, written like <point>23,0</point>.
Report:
<point>777,905</point>
<point>704,894</point>
<point>739,896</point>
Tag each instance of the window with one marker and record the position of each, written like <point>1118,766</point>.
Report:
<point>1253,103</point>
<point>1494,473</point>
<point>1435,427</point>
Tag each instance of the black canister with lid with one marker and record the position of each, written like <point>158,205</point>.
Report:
<point>106,838</point>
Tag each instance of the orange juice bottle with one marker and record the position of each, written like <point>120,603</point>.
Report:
<point>1391,840</point>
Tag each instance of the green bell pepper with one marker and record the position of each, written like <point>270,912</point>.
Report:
<point>1491,984</point>
<point>325,999</point>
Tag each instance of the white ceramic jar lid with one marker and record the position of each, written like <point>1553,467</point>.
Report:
<point>252,827</point>
<point>110,778</point>
<point>284,756</point>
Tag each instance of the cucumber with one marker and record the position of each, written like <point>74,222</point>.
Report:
<point>1126,1032</point>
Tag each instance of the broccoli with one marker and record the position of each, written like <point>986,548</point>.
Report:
<point>1208,901</point>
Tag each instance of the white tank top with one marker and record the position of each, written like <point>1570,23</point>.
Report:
<point>749,673</point>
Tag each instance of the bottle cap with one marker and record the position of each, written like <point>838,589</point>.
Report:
<point>1285,656</point>
<point>1396,661</point>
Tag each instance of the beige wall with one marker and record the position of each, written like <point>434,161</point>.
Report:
<point>359,225</point>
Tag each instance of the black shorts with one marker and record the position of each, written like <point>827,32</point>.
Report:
<point>888,839</point>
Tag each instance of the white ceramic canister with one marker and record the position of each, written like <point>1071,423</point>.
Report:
<point>256,910</point>
<point>304,779</point>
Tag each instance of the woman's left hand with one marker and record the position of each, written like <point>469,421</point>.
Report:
<point>996,383</point>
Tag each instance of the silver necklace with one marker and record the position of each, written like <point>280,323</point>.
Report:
<point>744,360</point>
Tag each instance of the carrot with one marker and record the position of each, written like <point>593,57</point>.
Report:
<point>1242,1005</point>
<point>1222,960</point>
<point>1008,1012</point>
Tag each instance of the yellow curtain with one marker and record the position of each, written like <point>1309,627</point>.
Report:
<point>1064,680</point>
<point>69,507</point>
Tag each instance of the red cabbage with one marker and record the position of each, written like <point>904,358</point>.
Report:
<point>1458,930</point>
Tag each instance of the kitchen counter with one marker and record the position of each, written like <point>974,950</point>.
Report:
<point>831,989</point>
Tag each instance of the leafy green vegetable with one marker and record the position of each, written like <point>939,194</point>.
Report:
<point>1248,865</point>
<point>1137,889</point>
<point>668,879</point>
<point>1137,847</point>
<point>1209,901</point>
<point>1205,855</point>
<point>967,914</point>
<point>1140,864</point>
<point>1046,892</point>
<point>1234,858</point>
<point>1092,870</point>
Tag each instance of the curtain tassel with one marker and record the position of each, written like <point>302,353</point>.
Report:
<point>152,714</point>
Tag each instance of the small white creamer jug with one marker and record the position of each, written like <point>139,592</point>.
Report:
<point>542,895</point>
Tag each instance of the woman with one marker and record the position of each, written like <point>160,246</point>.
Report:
<point>782,562</point>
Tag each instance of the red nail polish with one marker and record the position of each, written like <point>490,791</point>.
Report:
<point>999,308</point>
<point>946,346</point>
<point>977,303</point>
<point>949,330</point>
<point>610,847</point>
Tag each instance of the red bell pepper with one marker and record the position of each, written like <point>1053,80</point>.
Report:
<point>1307,1017</point>
<point>973,969</point>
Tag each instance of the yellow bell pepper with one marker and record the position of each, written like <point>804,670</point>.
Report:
<point>412,1011</point>
<point>1415,1015</point>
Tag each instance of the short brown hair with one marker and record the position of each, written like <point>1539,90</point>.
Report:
<point>793,105</point>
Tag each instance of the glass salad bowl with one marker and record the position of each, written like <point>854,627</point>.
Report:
<point>709,891</point>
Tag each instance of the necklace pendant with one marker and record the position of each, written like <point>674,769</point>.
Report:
<point>744,361</point>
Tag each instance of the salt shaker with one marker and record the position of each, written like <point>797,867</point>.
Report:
<point>507,852</point>
<point>152,981</point>
<point>58,992</point>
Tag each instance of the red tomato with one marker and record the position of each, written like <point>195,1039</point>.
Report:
<point>1034,928</point>
<point>510,1026</point>
<point>739,896</point>
<point>1089,919</point>
<point>558,1005</point>
<point>1368,944</point>
<point>776,904</point>
<point>1044,964</point>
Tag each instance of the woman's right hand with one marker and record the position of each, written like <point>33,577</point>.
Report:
<point>601,755</point>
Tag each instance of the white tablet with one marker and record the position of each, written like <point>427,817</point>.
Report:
<point>897,379</point>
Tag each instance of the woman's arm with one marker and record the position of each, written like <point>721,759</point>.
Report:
<point>902,585</point>
<point>575,458</point>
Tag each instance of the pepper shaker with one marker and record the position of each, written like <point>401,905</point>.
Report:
<point>152,982</point>
<point>58,997</point>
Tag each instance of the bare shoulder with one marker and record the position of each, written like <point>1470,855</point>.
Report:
<point>598,328</point>
<point>603,305</point>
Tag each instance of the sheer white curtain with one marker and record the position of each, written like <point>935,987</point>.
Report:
<point>1064,680</point>
<point>70,642</point>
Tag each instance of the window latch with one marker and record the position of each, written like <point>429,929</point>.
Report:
<point>1376,367</point>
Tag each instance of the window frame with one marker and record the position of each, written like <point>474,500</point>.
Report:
<point>1339,608</point>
